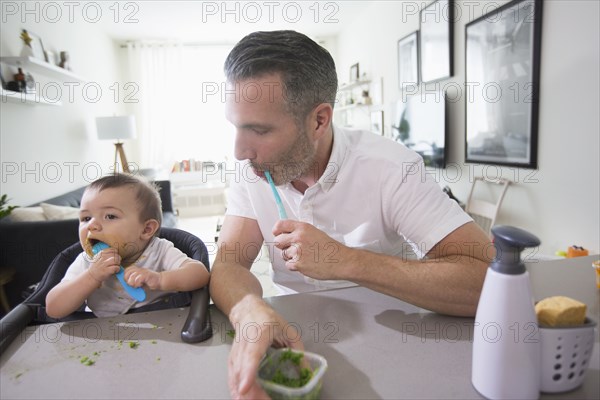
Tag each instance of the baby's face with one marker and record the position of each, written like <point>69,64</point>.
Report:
<point>112,216</point>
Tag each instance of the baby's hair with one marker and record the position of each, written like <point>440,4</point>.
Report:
<point>147,193</point>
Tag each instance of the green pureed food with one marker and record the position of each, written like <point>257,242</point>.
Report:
<point>287,374</point>
<point>282,379</point>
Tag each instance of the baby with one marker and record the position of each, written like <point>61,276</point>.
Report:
<point>124,212</point>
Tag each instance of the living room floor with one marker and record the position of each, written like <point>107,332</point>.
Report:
<point>205,228</point>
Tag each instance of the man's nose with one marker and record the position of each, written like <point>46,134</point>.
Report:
<point>244,148</point>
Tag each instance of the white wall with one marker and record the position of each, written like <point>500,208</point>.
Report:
<point>560,200</point>
<point>46,150</point>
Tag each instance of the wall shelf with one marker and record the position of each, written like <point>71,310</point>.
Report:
<point>36,66</point>
<point>9,96</point>
<point>351,106</point>
<point>355,84</point>
<point>355,111</point>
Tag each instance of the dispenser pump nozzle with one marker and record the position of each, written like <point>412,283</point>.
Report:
<point>510,242</point>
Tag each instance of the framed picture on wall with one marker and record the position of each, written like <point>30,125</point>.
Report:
<point>34,42</point>
<point>354,73</point>
<point>408,61</point>
<point>502,69</point>
<point>436,41</point>
<point>377,122</point>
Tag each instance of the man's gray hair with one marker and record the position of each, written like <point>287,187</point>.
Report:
<point>306,69</point>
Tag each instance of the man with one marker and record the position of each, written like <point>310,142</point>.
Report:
<point>356,204</point>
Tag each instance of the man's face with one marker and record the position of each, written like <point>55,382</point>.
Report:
<point>266,133</point>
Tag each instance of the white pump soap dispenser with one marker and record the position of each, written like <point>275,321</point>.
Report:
<point>506,340</point>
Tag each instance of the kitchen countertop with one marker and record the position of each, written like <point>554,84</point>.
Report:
<point>376,347</point>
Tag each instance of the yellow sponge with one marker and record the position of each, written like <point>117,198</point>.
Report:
<point>560,311</point>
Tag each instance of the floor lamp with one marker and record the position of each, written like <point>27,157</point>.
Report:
<point>117,128</point>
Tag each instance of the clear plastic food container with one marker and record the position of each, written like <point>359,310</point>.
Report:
<point>291,374</point>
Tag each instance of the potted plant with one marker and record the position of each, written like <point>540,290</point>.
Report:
<point>5,209</point>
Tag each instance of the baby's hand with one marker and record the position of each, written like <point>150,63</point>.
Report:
<point>136,277</point>
<point>105,264</point>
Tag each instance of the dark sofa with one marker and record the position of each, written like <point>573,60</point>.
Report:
<point>29,247</point>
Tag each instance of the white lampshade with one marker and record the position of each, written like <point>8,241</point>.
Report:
<point>119,128</point>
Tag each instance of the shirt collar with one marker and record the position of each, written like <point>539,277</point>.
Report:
<point>336,159</point>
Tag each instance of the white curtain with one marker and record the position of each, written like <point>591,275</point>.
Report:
<point>179,114</point>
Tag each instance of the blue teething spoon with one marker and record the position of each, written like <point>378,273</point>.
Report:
<point>280,207</point>
<point>136,293</point>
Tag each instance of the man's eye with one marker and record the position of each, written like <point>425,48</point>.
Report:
<point>260,131</point>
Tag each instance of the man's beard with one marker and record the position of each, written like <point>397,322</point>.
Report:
<point>294,163</point>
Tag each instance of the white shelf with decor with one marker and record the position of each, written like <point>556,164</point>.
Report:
<point>350,97</point>
<point>35,67</point>
<point>353,109</point>
<point>353,85</point>
<point>9,96</point>
<point>351,106</point>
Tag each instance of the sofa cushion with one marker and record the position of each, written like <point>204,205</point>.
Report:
<point>55,213</point>
<point>27,214</point>
<point>70,199</point>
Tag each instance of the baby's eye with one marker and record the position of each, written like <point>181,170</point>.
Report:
<point>84,219</point>
<point>111,216</point>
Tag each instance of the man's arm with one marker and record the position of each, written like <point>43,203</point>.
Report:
<point>240,241</point>
<point>237,292</point>
<point>448,280</point>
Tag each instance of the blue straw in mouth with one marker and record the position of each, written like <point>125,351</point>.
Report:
<point>280,208</point>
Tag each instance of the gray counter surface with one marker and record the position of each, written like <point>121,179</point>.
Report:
<point>376,347</point>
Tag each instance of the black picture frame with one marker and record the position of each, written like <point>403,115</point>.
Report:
<point>502,72</point>
<point>408,61</point>
<point>354,73</point>
<point>436,41</point>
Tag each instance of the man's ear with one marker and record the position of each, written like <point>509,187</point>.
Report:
<point>150,228</point>
<point>321,118</point>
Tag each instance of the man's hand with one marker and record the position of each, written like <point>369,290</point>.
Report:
<point>257,327</point>
<point>309,250</point>
<point>447,281</point>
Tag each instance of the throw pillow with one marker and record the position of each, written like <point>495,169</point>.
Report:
<point>54,212</point>
<point>22,214</point>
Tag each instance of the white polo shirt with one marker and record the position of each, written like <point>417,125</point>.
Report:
<point>374,195</point>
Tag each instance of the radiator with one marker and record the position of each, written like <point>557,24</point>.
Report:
<point>199,202</point>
